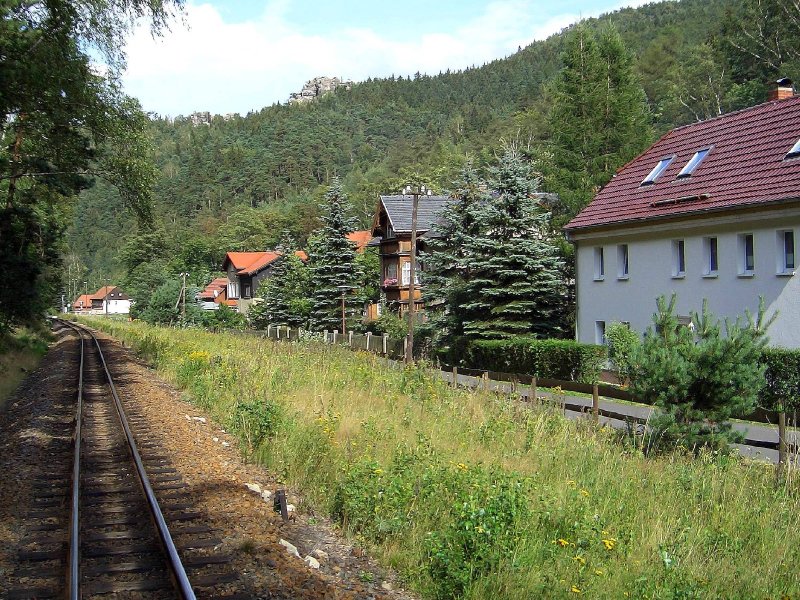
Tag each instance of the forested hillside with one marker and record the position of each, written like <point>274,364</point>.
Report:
<point>237,184</point>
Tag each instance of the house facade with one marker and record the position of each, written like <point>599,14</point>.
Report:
<point>215,294</point>
<point>245,271</point>
<point>108,300</point>
<point>391,229</point>
<point>710,211</point>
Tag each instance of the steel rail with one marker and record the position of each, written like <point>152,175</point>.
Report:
<point>73,574</point>
<point>176,566</point>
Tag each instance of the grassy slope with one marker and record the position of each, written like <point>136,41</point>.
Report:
<point>462,491</point>
<point>20,354</point>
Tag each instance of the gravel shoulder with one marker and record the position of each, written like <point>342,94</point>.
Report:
<point>210,463</point>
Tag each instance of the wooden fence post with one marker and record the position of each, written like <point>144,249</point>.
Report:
<point>533,390</point>
<point>485,381</point>
<point>595,403</point>
<point>325,339</point>
<point>269,330</point>
<point>350,341</point>
<point>385,343</point>
<point>369,336</point>
<point>455,376</point>
<point>781,440</point>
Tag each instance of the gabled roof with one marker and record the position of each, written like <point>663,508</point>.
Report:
<point>250,263</point>
<point>746,166</point>
<point>214,289</point>
<point>84,300</point>
<point>398,209</point>
<point>360,238</point>
<point>103,292</point>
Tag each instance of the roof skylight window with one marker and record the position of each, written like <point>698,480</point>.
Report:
<point>694,162</point>
<point>795,151</point>
<point>658,170</point>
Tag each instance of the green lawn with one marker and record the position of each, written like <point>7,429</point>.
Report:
<point>470,495</point>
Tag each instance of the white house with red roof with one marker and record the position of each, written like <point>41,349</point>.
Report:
<point>108,300</point>
<point>710,211</point>
<point>245,272</point>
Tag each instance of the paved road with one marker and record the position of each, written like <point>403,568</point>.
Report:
<point>752,431</point>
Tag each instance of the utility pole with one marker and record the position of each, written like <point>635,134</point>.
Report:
<point>416,192</point>
<point>183,298</point>
<point>344,289</point>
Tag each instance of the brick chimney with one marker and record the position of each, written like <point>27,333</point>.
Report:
<point>781,89</point>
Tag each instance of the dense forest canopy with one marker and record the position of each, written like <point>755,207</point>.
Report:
<point>237,184</point>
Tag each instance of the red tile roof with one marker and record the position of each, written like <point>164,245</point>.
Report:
<point>83,301</point>
<point>214,289</point>
<point>250,263</point>
<point>103,292</point>
<point>360,238</point>
<point>745,166</point>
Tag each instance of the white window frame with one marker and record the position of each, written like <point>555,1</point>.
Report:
<point>405,273</point>
<point>233,290</point>
<point>746,244</point>
<point>661,166</point>
<point>710,257</point>
<point>783,265</point>
<point>599,264</point>
<point>694,162</point>
<point>623,262</point>
<point>678,257</point>
<point>600,333</point>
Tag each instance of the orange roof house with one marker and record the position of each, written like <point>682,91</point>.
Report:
<point>360,238</point>
<point>246,271</point>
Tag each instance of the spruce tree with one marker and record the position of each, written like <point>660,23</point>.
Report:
<point>285,292</point>
<point>446,263</point>
<point>332,262</point>
<point>514,284</point>
<point>599,118</point>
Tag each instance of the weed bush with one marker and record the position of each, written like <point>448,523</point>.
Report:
<point>782,376</point>
<point>555,359</point>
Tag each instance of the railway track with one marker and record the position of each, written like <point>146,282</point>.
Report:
<point>111,516</point>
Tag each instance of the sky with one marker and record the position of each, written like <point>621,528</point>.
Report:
<point>234,56</point>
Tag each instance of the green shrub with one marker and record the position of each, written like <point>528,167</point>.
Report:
<point>486,510</point>
<point>389,323</point>
<point>622,340</point>
<point>699,378</point>
<point>255,421</point>
<point>555,359</point>
<point>782,375</point>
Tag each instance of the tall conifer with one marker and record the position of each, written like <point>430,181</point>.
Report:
<point>515,284</point>
<point>599,118</point>
<point>332,262</point>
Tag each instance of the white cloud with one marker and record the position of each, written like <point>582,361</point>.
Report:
<point>209,64</point>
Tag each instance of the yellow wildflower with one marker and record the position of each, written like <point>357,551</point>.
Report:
<point>462,466</point>
<point>584,493</point>
<point>579,559</point>
<point>609,543</point>
<point>378,471</point>
<point>571,483</point>
<point>562,542</point>
<point>598,571</point>
<point>575,589</point>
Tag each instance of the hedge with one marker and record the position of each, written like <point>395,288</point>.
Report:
<point>782,374</point>
<point>553,359</point>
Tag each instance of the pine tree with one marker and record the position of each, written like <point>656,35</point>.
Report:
<point>332,262</point>
<point>515,281</point>
<point>446,264</point>
<point>699,378</point>
<point>285,292</point>
<point>599,118</point>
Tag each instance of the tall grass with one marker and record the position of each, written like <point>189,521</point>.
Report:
<point>470,495</point>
